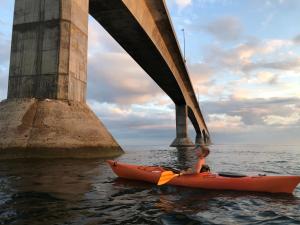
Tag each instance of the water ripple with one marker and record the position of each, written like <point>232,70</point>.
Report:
<point>87,192</point>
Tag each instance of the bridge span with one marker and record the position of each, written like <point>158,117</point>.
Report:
<point>45,113</point>
<point>144,29</point>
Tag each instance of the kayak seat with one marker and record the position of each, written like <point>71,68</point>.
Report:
<point>229,174</point>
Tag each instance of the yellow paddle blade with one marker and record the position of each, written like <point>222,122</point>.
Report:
<point>166,176</point>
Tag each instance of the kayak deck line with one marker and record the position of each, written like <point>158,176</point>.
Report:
<point>208,180</point>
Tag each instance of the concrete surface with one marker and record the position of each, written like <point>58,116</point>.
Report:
<point>45,114</point>
<point>199,140</point>
<point>49,50</point>
<point>182,139</point>
<point>31,128</point>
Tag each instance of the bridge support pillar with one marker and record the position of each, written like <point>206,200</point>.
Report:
<point>182,139</point>
<point>199,140</point>
<point>206,138</point>
<point>45,114</point>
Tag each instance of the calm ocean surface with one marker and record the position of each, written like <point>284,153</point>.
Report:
<point>87,192</point>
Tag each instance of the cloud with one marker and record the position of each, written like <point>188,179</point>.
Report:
<point>222,122</point>
<point>3,82</point>
<point>130,124</point>
<point>118,79</point>
<point>252,55</point>
<point>290,117</point>
<point>252,111</point>
<point>271,45</point>
<point>183,3</point>
<point>200,72</point>
<point>5,51</point>
<point>228,121</point>
<point>113,76</point>
<point>287,64</point>
<point>282,120</point>
<point>227,28</point>
<point>120,112</point>
<point>202,77</point>
<point>4,65</point>
<point>232,58</point>
<point>2,22</point>
<point>244,121</point>
<point>268,19</point>
<point>264,77</point>
<point>100,40</point>
<point>232,72</point>
<point>210,3</point>
<point>285,4</point>
<point>297,39</point>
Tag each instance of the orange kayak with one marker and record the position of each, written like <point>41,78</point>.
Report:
<point>273,184</point>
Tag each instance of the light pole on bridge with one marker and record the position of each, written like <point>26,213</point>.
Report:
<point>183,33</point>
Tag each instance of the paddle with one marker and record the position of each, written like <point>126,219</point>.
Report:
<point>166,176</point>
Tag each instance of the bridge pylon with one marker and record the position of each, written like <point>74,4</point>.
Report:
<point>45,114</point>
<point>182,139</point>
<point>199,139</point>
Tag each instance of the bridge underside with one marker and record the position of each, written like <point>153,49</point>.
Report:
<point>125,28</point>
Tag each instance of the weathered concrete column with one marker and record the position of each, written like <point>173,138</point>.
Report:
<point>182,139</point>
<point>45,114</point>
<point>199,140</point>
<point>49,50</point>
<point>206,138</point>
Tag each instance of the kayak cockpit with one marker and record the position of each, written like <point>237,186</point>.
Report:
<point>230,174</point>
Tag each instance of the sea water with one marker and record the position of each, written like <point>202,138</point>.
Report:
<point>65,191</point>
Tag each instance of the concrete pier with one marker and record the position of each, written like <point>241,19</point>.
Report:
<point>182,139</point>
<point>45,114</point>
<point>199,140</point>
<point>32,128</point>
<point>49,50</point>
<point>205,137</point>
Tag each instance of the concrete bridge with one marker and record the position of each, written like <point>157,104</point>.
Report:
<point>45,114</point>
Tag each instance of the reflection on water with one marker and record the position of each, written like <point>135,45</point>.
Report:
<point>185,158</point>
<point>87,192</point>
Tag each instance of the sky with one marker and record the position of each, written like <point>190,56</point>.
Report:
<point>243,59</point>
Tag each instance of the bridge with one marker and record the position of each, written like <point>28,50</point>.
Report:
<point>45,112</point>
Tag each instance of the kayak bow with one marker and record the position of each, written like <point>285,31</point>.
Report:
<point>272,184</point>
